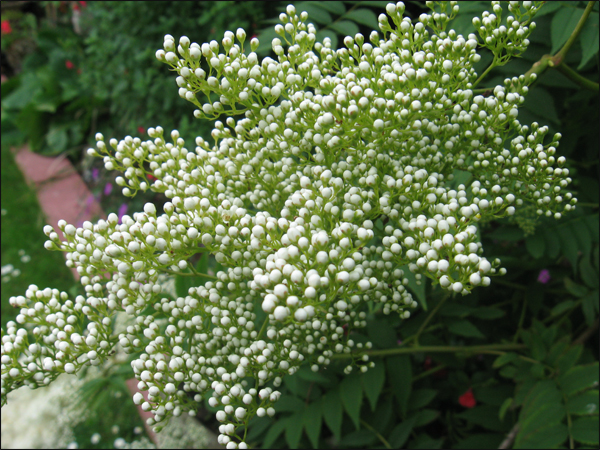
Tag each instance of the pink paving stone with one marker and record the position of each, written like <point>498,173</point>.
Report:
<point>62,194</point>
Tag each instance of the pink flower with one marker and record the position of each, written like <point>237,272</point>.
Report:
<point>69,64</point>
<point>6,28</point>
<point>108,189</point>
<point>544,276</point>
<point>467,399</point>
<point>141,130</point>
<point>95,173</point>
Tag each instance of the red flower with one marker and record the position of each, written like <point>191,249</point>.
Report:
<point>151,177</point>
<point>69,64</point>
<point>6,29</point>
<point>83,4</point>
<point>75,7</point>
<point>141,130</point>
<point>467,399</point>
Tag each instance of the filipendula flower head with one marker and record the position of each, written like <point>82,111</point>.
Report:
<point>310,151</point>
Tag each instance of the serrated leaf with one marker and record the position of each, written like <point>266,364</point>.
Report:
<point>289,403</point>
<point>333,7</point>
<point>575,289</point>
<point>351,395</point>
<point>549,436</point>
<point>480,440</point>
<point>455,310</point>
<point>535,245</point>
<point>421,398</point>
<point>585,430</point>
<point>541,104</point>
<point>364,17</point>
<point>504,359</point>
<point>568,359</point>
<point>552,244</point>
<point>589,40</point>
<point>381,333</point>
<point>563,24</point>
<point>399,369</point>
<point>313,377</point>
<point>372,383</point>
<point>293,429</point>
<point>332,412</point>
<point>426,416</point>
<point>578,379</point>
<point>584,404</point>
<point>504,407</point>
<point>465,328</point>
<point>312,421</point>
<point>400,433</point>
<point>562,307</point>
<point>345,28</point>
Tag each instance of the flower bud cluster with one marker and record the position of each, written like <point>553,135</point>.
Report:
<point>330,176</point>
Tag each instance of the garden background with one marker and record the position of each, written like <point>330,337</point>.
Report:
<point>76,68</point>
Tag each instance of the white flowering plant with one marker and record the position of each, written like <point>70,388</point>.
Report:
<point>329,182</point>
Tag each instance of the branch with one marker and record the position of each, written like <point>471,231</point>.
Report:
<point>432,349</point>
<point>510,437</point>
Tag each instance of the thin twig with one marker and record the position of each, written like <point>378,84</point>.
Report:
<point>510,437</point>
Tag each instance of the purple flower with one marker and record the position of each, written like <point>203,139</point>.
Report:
<point>108,189</point>
<point>544,276</point>
<point>122,211</point>
<point>95,174</point>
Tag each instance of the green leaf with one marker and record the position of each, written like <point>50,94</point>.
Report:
<point>316,12</point>
<point>57,140</point>
<point>345,28</point>
<point>333,7</point>
<point>585,430</point>
<point>541,103</point>
<point>314,377</point>
<point>364,17</point>
<point>578,379</point>
<point>504,407</point>
<point>455,310</point>
<point>504,359</point>
<point>351,394</point>
<point>465,328</point>
<point>576,289</point>
<point>274,432</point>
<point>289,403</point>
<point>426,416</point>
<point>588,274</point>
<point>589,306</point>
<point>488,313</point>
<point>485,416</point>
<point>293,429</point>
<point>399,369</point>
<point>549,436</point>
<point>563,24</point>
<point>568,359</point>
<point>400,433</point>
<point>589,40</point>
<point>312,421</point>
<point>569,245</point>
<point>372,382</point>
<point>552,244</point>
<point>421,398</point>
<point>322,34</point>
<point>535,245</point>
<point>562,307</point>
<point>418,290</point>
<point>358,438</point>
<point>332,412</point>
<point>584,404</point>
<point>480,440</point>
<point>381,333</point>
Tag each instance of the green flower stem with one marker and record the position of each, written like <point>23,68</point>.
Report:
<point>482,76</point>
<point>263,328</point>
<point>385,443</point>
<point>576,32</point>
<point>521,320</point>
<point>432,349</point>
<point>429,317</point>
<point>556,61</point>
<point>575,77</point>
